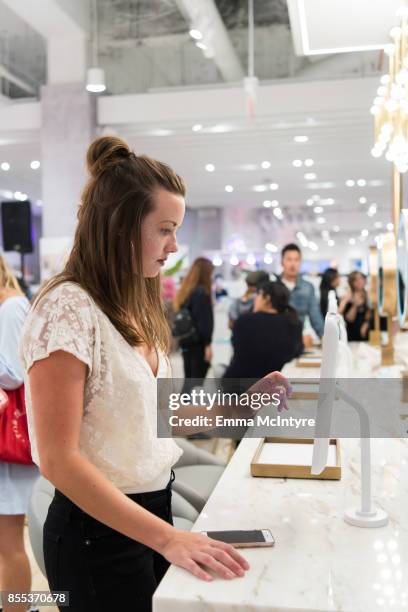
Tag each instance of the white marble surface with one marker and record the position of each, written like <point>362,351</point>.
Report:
<point>319,563</point>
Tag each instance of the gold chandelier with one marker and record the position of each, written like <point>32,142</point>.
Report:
<point>390,107</point>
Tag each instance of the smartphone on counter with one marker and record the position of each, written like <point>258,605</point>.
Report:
<point>243,539</point>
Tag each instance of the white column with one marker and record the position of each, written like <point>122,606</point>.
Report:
<point>68,126</point>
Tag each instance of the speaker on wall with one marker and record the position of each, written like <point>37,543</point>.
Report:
<point>16,225</point>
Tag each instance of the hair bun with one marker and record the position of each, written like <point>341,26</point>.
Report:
<point>105,152</point>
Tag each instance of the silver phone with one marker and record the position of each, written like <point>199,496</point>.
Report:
<point>252,538</point>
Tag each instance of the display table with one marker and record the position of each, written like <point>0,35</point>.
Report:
<point>319,563</point>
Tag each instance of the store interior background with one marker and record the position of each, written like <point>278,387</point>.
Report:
<point>187,106</point>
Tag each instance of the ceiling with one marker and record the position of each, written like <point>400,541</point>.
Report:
<point>339,141</point>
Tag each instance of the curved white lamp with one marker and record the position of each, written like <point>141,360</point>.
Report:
<point>366,515</point>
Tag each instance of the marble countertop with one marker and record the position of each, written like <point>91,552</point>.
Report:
<point>319,563</point>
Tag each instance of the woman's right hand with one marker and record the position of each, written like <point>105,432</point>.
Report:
<point>192,551</point>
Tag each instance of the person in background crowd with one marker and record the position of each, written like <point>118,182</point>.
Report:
<point>330,281</point>
<point>16,481</point>
<point>302,294</point>
<point>245,303</point>
<point>355,308</point>
<point>195,295</point>
<point>267,338</point>
<point>219,289</point>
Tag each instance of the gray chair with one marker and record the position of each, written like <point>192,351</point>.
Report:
<point>197,472</point>
<point>184,516</point>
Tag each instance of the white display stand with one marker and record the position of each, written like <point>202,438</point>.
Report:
<point>335,340</point>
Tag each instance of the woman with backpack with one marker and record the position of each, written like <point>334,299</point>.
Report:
<point>194,312</point>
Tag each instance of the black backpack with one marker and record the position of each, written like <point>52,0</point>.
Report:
<point>183,328</point>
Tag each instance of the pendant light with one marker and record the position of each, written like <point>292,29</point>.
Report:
<point>95,78</point>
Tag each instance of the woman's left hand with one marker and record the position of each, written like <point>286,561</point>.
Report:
<point>274,382</point>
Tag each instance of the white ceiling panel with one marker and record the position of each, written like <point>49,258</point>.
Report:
<point>340,26</point>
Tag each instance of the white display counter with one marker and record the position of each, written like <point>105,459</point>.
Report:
<point>319,563</point>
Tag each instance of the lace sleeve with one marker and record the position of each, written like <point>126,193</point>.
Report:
<point>62,321</point>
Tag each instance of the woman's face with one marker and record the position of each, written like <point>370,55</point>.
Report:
<point>159,231</point>
<point>359,282</point>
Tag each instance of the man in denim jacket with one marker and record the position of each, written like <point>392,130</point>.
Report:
<point>302,294</point>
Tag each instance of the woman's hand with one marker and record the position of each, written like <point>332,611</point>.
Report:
<point>193,551</point>
<point>208,354</point>
<point>274,382</point>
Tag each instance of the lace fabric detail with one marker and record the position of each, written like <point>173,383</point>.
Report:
<point>119,425</point>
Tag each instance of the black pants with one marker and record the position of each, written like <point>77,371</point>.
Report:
<point>102,569</point>
<point>195,367</point>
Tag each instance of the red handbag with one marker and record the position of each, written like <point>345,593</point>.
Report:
<point>14,441</point>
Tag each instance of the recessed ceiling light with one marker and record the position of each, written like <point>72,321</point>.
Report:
<point>350,183</point>
<point>229,188</point>
<point>260,188</point>
<point>352,241</point>
<point>313,246</point>
<point>362,200</point>
<point>318,209</point>
<point>196,34</point>
<point>210,167</point>
<point>310,176</point>
<point>297,163</point>
<point>217,260</point>
<point>275,203</point>
<point>309,202</point>
<point>161,132</point>
<point>364,232</point>
<point>390,227</point>
<point>5,166</point>
<point>361,182</point>
<point>266,164</point>
<point>327,201</point>
<point>201,46</point>
<point>331,242</point>
<point>378,224</point>
<point>267,204</point>
<point>268,259</point>
<point>251,259</point>
<point>321,220</point>
<point>197,127</point>
<point>301,138</point>
<point>234,261</point>
<point>278,213</point>
<point>336,228</point>
<point>35,164</point>
<point>325,234</point>
<point>273,186</point>
<point>271,247</point>
<point>309,163</point>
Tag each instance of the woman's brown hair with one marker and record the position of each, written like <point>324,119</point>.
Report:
<point>106,258</point>
<point>7,278</point>
<point>200,273</point>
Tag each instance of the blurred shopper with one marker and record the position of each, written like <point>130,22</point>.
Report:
<point>219,288</point>
<point>94,345</point>
<point>245,303</point>
<point>267,338</point>
<point>302,294</point>
<point>330,281</point>
<point>16,480</point>
<point>194,300</point>
<point>355,308</point>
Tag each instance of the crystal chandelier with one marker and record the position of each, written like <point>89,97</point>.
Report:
<point>390,107</point>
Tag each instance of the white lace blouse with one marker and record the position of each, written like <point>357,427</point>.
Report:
<point>119,424</point>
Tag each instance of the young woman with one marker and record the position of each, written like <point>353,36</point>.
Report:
<point>355,308</point>
<point>16,480</point>
<point>267,338</point>
<point>330,281</point>
<point>93,347</point>
<point>195,295</point>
